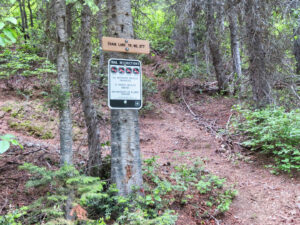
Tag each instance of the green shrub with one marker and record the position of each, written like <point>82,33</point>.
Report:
<point>8,30</point>
<point>272,131</point>
<point>182,186</point>
<point>149,89</point>
<point>150,205</point>
<point>62,185</point>
<point>22,63</point>
<point>179,71</point>
<point>12,218</point>
<point>157,26</point>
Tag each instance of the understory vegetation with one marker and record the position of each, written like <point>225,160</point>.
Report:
<point>54,88</point>
<point>96,201</point>
<point>274,132</point>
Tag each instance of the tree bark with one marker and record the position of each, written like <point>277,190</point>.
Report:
<point>25,14</point>
<point>297,49</point>
<point>259,76</point>
<point>84,80</point>
<point>22,19</point>
<point>30,13</point>
<point>214,48</point>
<point>192,18</point>
<point>100,35</point>
<point>65,120</point>
<point>126,169</point>
<point>235,44</point>
<point>69,19</point>
<point>65,123</point>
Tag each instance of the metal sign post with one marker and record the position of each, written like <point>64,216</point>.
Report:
<point>124,84</point>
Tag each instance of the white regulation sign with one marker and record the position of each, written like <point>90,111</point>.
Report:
<point>124,84</point>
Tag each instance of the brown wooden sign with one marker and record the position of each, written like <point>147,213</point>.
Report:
<point>111,44</point>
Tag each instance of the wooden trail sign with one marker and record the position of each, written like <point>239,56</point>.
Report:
<point>111,44</point>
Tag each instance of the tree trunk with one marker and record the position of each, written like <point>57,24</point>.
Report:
<point>214,48</point>
<point>65,123</point>
<point>192,18</point>
<point>69,20</point>
<point>84,80</point>
<point>48,19</point>
<point>30,13</point>
<point>100,35</point>
<point>297,49</point>
<point>22,19</point>
<point>259,77</point>
<point>126,169</point>
<point>25,14</point>
<point>235,44</point>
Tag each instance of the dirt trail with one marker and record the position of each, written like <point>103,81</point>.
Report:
<point>171,133</point>
<point>263,198</point>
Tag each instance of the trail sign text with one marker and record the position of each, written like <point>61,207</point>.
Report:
<point>124,84</point>
<point>111,44</point>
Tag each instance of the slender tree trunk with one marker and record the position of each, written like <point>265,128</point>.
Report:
<point>25,14</point>
<point>235,44</point>
<point>260,78</point>
<point>100,35</point>
<point>48,19</point>
<point>69,20</point>
<point>192,18</point>
<point>22,19</point>
<point>297,49</point>
<point>30,13</point>
<point>126,169</point>
<point>84,80</point>
<point>65,123</point>
<point>65,120</point>
<point>214,48</point>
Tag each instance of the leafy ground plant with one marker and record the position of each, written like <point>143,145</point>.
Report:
<point>272,131</point>
<point>6,141</point>
<point>22,63</point>
<point>98,202</point>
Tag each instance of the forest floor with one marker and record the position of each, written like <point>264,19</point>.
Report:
<point>176,133</point>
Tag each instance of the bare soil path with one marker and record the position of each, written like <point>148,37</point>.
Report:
<point>263,198</point>
<point>171,133</point>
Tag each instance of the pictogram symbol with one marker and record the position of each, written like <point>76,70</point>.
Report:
<point>136,71</point>
<point>114,69</point>
<point>121,70</point>
<point>128,70</point>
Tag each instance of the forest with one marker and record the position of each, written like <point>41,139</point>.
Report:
<point>149,112</point>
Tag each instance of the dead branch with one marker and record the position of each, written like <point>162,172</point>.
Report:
<point>228,121</point>
<point>295,92</point>
<point>27,153</point>
<point>201,121</point>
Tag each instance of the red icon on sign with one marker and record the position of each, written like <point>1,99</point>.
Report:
<point>114,69</point>
<point>128,70</point>
<point>121,70</point>
<point>136,71</point>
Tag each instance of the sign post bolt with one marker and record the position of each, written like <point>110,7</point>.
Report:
<point>127,49</point>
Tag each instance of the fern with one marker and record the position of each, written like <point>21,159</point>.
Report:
<point>61,183</point>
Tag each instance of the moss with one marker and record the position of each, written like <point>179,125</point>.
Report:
<point>32,130</point>
<point>48,135</point>
<point>12,124</point>
<point>169,96</point>
<point>6,108</point>
<point>31,118</point>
